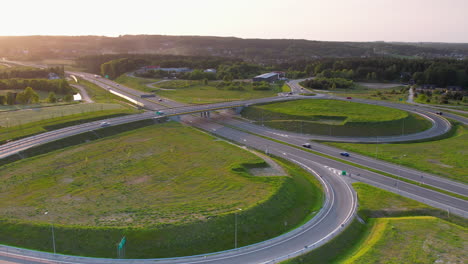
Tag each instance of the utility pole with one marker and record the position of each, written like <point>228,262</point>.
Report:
<point>235,228</point>
<point>53,234</point>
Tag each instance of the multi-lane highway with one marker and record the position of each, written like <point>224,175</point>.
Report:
<point>334,216</point>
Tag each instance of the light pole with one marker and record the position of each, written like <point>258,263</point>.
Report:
<point>53,234</point>
<point>235,228</point>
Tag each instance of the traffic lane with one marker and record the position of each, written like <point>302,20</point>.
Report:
<point>262,144</point>
<point>414,175</point>
<point>342,194</point>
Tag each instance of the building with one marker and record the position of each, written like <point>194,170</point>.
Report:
<point>53,76</point>
<point>267,77</point>
<point>210,71</point>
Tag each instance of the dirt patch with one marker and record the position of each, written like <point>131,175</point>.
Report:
<point>439,163</point>
<point>379,85</point>
<point>274,169</point>
<point>139,180</point>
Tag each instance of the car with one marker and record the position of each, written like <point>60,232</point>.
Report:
<point>118,84</point>
<point>345,154</point>
<point>349,97</point>
<point>439,113</point>
<point>290,93</point>
<point>306,145</point>
<point>160,100</point>
<point>105,124</point>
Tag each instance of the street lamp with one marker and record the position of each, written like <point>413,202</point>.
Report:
<point>235,228</point>
<point>53,235</point>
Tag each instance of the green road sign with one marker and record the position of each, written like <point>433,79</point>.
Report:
<point>107,76</point>
<point>122,243</point>
<point>343,173</point>
<point>401,99</point>
<point>121,248</point>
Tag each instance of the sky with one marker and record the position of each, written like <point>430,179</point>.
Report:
<point>328,20</point>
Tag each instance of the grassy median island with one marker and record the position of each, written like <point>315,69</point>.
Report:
<point>397,230</point>
<point>336,118</point>
<point>447,157</point>
<point>199,92</point>
<point>171,190</point>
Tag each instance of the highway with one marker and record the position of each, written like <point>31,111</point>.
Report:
<point>336,213</point>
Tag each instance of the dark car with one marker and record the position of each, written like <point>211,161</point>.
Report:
<point>345,154</point>
<point>349,97</point>
<point>306,145</point>
<point>439,113</point>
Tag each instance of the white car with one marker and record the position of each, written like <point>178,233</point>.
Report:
<point>105,124</point>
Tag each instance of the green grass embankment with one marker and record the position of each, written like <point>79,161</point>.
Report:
<point>447,156</point>
<point>336,118</point>
<point>196,92</point>
<point>163,209</point>
<point>140,84</point>
<point>397,229</point>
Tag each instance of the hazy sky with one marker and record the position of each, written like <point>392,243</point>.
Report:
<point>334,20</point>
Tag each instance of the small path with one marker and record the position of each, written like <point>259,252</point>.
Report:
<point>84,93</point>
<point>151,85</point>
<point>446,107</point>
<point>274,169</point>
<point>379,85</point>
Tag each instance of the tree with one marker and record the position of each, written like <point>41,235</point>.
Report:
<point>30,95</point>
<point>51,98</point>
<point>3,99</point>
<point>68,98</point>
<point>21,98</point>
<point>11,98</point>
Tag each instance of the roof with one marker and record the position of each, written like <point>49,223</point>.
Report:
<point>267,75</point>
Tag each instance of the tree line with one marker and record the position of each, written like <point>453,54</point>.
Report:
<point>439,72</point>
<point>31,73</point>
<point>29,87</point>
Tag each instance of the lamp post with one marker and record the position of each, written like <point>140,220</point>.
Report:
<point>53,234</point>
<point>235,228</point>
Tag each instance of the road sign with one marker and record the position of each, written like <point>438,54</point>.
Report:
<point>107,76</point>
<point>121,248</point>
<point>343,173</point>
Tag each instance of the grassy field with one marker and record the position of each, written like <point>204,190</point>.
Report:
<point>42,118</point>
<point>17,118</point>
<point>394,94</point>
<point>137,83</point>
<point>447,157</point>
<point>336,118</point>
<point>185,187</point>
<point>411,235</point>
<point>195,92</point>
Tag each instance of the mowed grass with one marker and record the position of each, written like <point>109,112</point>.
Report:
<point>170,190</point>
<point>137,83</point>
<point>162,174</point>
<point>397,230</point>
<point>336,118</point>
<point>445,157</point>
<point>195,92</point>
<point>21,117</point>
<point>394,94</point>
<point>38,119</point>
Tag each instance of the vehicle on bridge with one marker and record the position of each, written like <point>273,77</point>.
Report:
<point>345,154</point>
